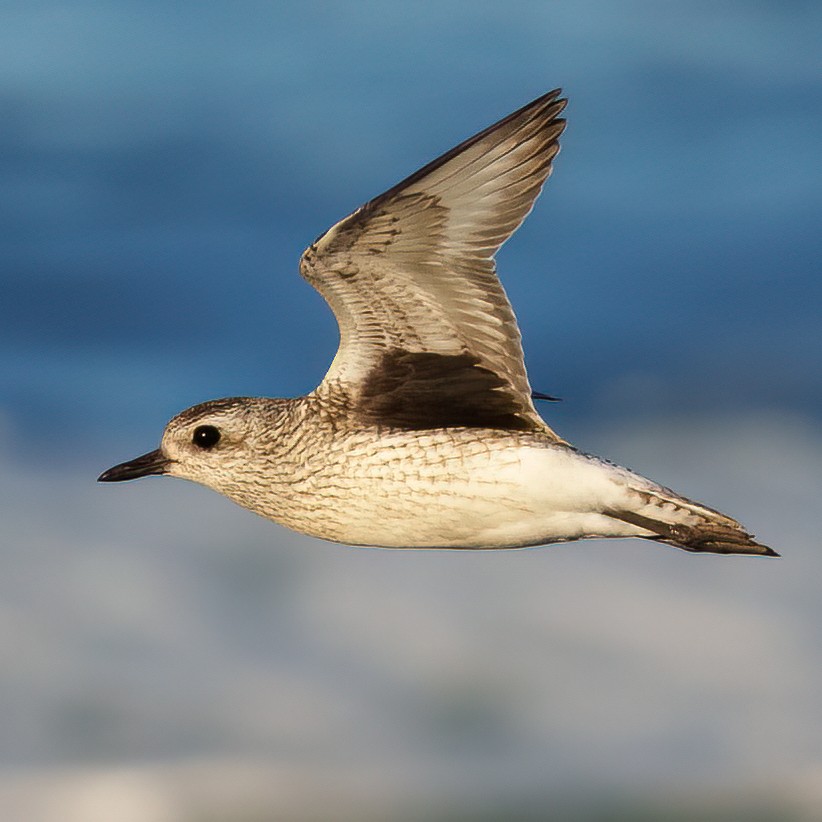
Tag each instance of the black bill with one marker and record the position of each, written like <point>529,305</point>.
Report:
<point>152,463</point>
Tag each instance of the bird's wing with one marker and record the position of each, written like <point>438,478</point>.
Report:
<point>428,338</point>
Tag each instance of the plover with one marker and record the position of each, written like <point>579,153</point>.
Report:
<point>423,433</point>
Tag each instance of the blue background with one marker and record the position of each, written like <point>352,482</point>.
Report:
<point>163,166</point>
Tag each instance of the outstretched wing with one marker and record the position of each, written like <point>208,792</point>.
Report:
<point>427,336</point>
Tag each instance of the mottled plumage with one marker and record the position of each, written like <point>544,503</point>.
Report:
<point>423,433</point>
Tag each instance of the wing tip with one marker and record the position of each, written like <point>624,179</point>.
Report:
<point>547,107</point>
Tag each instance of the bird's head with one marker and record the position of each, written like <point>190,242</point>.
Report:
<point>210,443</point>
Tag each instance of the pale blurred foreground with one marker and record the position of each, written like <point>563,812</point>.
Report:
<point>254,791</point>
<point>167,656</point>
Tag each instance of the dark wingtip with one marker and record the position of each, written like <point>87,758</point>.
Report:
<point>717,537</point>
<point>538,395</point>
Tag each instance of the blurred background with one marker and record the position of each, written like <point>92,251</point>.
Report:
<point>166,656</point>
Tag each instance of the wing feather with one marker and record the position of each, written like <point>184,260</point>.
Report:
<point>427,335</point>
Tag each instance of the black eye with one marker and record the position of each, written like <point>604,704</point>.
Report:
<point>206,436</point>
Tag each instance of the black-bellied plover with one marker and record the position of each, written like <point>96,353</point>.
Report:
<point>423,433</point>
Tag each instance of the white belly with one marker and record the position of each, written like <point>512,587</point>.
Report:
<point>457,490</point>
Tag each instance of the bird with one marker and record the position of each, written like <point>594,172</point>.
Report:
<point>423,432</point>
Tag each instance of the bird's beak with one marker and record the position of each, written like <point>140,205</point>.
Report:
<point>152,463</point>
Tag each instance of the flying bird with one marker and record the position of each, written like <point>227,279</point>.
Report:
<point>423,433</point>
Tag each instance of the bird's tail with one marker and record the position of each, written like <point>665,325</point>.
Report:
<point>686,524</point>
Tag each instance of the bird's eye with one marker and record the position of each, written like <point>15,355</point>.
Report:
<point>206,436</point>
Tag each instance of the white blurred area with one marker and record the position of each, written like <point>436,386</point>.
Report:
<point>167,656</point>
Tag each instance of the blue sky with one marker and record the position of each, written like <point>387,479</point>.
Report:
<point>163,167</point>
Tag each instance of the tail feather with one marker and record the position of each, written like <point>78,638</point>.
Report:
<point>691,526</point>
